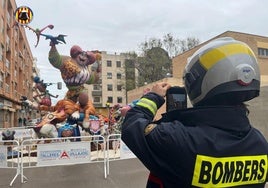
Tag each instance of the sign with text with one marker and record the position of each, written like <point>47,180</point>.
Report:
<point>63,153</point>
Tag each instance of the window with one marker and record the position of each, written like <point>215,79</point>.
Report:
<point>96,87</point>
<point>262,52</point>
<point>109,75</point>
<point>96,99</point>
<point>118,75</point>
<point>3,3</point>
<point>8,18</point>
<point>2,26</point>
<point>1,80</point>
<point>7,89</point>
<point>15,86</point>
<point>109,63</point>
<point>110,87</point>
<point>119,100</point>
<point>110,100</point>
<point>1,52</point>
<point>119,87</point>
<point>118,63</point>
<point>7,64</point>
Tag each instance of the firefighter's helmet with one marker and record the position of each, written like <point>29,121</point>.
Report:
<point>223,72</point>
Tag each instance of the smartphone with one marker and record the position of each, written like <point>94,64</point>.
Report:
<point>176,98</point>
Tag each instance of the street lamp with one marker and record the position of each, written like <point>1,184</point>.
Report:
<point>107,104</point>
<point>108,108</point>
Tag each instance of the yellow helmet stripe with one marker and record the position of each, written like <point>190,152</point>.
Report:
<point>213,56</point>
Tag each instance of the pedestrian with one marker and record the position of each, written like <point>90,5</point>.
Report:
<point>213,143</point>
<point>24,121</point>
<point>20,121</point>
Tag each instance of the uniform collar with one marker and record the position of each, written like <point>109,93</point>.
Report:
<point>225,117</point>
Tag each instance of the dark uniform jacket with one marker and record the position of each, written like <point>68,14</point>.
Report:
<point>197,147</point>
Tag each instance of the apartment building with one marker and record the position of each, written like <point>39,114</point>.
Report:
<point>111,88</point>
<point>16,67</point>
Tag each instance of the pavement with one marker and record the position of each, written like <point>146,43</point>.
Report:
<point>126,173</point>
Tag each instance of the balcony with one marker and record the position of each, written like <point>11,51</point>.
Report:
<point>97,93</point>
<point>96,105</point>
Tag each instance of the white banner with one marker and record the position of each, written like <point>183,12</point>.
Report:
<point>63,153</point>
<point>125,152</point>
<point>3,156</point>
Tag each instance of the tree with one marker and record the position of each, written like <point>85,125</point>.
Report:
<point>175,46</point>
<point>130,77</point>
<point>153,66</point>
<point>188,44</point>
<point>171,44</point>
<point>151,43</point>
<point>155,60</point>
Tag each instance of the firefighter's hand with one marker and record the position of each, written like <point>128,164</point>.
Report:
<point>124,110</point>
<point>161,88</point>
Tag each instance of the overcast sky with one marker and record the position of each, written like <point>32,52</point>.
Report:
<point>121,25</point>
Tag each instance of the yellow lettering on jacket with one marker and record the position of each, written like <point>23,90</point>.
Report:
<point>229,171</point>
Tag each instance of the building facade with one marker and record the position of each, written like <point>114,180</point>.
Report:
<point>259,45</point>
<point>16,67</point>
<point>111,88</point>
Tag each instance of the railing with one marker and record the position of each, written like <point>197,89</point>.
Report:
<point>32,153</point>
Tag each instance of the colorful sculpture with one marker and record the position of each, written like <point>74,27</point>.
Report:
<point>42,95</point>
<point>79,68</point>
<point>75,72</point>
<point>66,117</point>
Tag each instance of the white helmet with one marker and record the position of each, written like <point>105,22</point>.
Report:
<point>223,72</point>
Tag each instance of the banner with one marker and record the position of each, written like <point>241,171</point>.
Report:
<point>63,153</point>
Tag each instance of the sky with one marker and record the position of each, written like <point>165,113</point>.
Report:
<point>122,25</point>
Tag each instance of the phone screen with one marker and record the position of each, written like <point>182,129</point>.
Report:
<point>176,99</point>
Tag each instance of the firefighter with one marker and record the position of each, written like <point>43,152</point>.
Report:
<point>211,144</point>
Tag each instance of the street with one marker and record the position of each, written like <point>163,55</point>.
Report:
<point>127,173</point>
